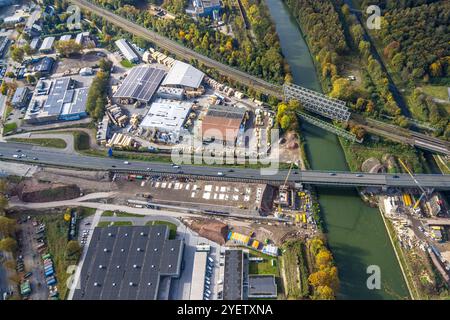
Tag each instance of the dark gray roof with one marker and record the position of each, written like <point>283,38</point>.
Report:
<point>132,264</point>
<point>45,65</point>
<point>262,286</point>
<point>233,275</point>
<point>141,83</point>
<point>226,112</point>
<point>19,95</point>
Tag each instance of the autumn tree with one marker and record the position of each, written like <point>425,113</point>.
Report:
<point>68,47</point>
<point>8,244</point>
<point>17,53</point>
<point>7,226</point>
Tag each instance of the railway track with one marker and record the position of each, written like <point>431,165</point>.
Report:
<point>181,51</point>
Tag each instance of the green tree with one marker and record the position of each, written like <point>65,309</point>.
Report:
<point>73,250</point>
<point>7,226</point>
<point>17,53</point>
<point>8,244</point>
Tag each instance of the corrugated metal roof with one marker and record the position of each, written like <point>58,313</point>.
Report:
<point>183,74</point>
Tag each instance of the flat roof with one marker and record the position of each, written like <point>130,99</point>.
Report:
<point>167,115</point>
<point>65,37</point>
<point>222,122</point>
<point>262,286</point>
<point>140,84</point>
<point>19,95</point>
<point>233,275</point>
<point>47,44</point>
<point>127,263</point>
<point>183,74</point>
<point>198,275</point>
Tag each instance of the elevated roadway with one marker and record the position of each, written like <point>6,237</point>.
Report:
<point>51,157</point>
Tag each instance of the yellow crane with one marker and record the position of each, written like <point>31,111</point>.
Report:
<point>424,193</point>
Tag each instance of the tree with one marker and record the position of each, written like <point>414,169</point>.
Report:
<point>342,89</point>
<point>17,53</point>
<point>68,47</point>
<point>8,244</point>
<point>323,258</point>
<point>7,226</point>
<point>73,249</point>
<point>324,293</point>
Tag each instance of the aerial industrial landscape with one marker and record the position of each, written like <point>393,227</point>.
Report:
<point>228,150</point>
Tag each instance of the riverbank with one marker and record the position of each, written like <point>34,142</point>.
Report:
<point>355,232</point>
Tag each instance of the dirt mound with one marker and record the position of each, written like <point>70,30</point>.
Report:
<point>210,229</point>
<point>36,191</point>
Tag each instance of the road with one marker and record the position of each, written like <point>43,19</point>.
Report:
<point>48,156</point>
<point>179,50</point>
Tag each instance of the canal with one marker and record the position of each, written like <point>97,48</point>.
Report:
<point>356,233</point>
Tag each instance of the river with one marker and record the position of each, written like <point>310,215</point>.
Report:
<point>356,233</point>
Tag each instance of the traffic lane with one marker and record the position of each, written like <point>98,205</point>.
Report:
<point>51,156</point>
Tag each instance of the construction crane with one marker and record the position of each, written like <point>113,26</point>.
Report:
<point>284,185</point>
<point>424,192</point>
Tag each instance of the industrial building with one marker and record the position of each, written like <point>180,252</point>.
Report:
<point>183,75</point>
<point>47,45</point>
<point>57,100</point>
<point>198,275</point>
<point>130,263</point>
<point>236,261</point>
<point>34,43</point>
<point>205,8</point>
<point>83,38</point>
<point>167,116</point>
<point>44,66</point>
<point>127,51</point>
<point>170,93</point>
<point>140,84</point>
<point>65,37</point>
<point>262,286</point>
<point>223,123</point>
<point>103,131</point>
<point>4,41</point>
<point>20,97</point>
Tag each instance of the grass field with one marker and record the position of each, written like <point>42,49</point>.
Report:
<point>81,141</point>
<point>172,227</point>
<point>121,214</point>
<point>264,267</point>
<point>439,92</point>
<point>9,127</point>
<point>50,142</point>
<point>127,64</point>
<point>295,270</point>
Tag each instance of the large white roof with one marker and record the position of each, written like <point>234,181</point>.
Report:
<point>183,74</point>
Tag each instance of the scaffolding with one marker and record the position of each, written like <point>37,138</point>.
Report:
<point>318,103</point>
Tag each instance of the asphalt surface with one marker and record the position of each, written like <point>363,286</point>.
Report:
<point>48,156</point>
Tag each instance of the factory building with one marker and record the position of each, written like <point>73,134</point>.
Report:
<point>223,123</point>
<point>170,93</point>
<point>167,116</point>
<point>127,51</point>
<point>57,100</point>
<point>183,75</point>
<point>130,263</point>
<point>47,45</point>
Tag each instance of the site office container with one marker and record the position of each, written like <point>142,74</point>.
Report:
<point>51,282</point>
<point>49,267</point>
<point>49,273</point>
<point>46,256</point>
<point>48,263</point>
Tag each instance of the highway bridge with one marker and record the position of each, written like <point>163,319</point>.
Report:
<point>51,157</point>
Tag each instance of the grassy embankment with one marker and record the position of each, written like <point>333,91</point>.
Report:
<point>43,142</point>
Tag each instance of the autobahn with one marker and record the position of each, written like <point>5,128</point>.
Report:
<point>51,157</point>
<point>181,51</point>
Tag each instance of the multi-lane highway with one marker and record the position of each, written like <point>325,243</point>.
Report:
<point>47,156</point>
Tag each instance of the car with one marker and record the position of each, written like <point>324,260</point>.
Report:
<point>332,174</point>
<point>395,177</point>
<point>220,173</point>
<point>87,224</point>
<point>1,155</point>
<point>421,229</point>
<point>18,150</point>
<point>28,274</point>
<point>16,156</point>
<point>113,166</point>
<point>230,170</point>
<point>360,175</point>
<point>149,169</point>
<point>175,166</point>
<point>126,162</point>
<point>35,158</point>
<point>24,155</point>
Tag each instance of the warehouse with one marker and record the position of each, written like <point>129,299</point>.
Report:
<point>140,84</point>
<point>129,263</point>
<point>47,45</point>
<point>167,116</point>
<point>127,51</point>
<point>234,274</point>
<point>183,75</point>
<point>262,286</point>
<point>223,123</point>
<point>57,99</point>
<point>198,275</point>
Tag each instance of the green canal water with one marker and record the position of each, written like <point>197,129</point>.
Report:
<point>356,232</point>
